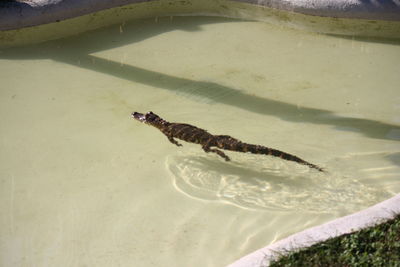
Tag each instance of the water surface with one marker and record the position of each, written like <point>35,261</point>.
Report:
<point>84,184</point>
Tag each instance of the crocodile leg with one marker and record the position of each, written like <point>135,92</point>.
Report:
<point>219,152</point>
<point>172,140</point>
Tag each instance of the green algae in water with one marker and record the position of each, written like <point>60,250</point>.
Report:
<point>79,175</point>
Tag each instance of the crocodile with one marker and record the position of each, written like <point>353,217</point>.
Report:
<point>193,134</point>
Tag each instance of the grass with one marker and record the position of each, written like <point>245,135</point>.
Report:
<point>375,246</point>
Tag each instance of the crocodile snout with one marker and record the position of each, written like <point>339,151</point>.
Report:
<point>138,116</point>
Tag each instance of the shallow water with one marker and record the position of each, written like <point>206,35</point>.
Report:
<point>84,184</point>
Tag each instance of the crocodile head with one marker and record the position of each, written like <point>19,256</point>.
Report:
<point>149,118</point>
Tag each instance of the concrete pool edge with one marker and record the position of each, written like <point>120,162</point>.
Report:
<point>29,22</point>
<point>15,15</point>
<point>376,214</point>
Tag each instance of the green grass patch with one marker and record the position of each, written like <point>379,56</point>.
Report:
<point>374,246</point>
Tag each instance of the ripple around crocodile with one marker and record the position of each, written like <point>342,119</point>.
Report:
<point>269,184</point>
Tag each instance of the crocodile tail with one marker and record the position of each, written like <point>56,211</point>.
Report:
<point>229,143</point>
<point>255,149</point>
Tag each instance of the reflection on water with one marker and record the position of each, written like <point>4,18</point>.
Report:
<point>269,184</point>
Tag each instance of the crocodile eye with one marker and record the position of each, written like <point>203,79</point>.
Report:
<point>150,117</point>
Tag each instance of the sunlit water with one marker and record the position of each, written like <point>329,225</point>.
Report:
<point>84,184</point>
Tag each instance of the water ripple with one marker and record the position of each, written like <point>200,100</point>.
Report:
<point>270,184</point>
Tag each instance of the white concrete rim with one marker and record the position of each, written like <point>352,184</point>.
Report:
<point>374,215</point>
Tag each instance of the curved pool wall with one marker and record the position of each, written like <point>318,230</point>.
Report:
<point>55,19</point>
<point>30,22</point>
<point>380,212</point>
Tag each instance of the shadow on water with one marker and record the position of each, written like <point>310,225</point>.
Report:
<point>76,51</point>
<point>394,158</point>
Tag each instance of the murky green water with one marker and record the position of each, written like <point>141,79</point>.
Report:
<point>84,184</point>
